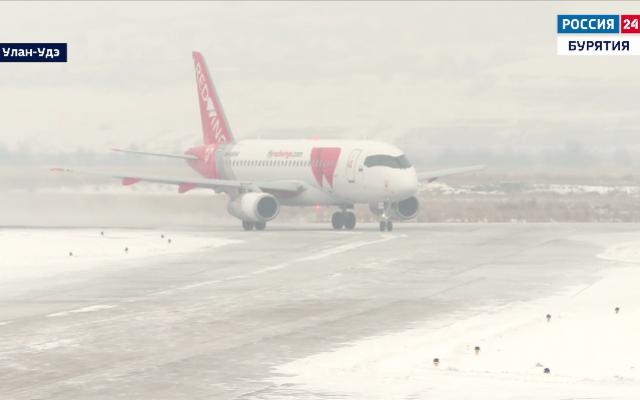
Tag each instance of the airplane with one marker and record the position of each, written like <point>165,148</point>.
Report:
<point>260,176</point>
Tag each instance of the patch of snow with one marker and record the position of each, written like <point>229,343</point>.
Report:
<point>504,188</point>
<point>628,252</point>
<point>572,189</point>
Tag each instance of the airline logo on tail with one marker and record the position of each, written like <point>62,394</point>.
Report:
<point>214,123</point>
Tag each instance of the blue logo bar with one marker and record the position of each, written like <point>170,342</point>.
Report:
<point>33,52</point>
<point>589,23</point>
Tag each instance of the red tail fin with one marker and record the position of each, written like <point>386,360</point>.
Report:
<point>215,128</point>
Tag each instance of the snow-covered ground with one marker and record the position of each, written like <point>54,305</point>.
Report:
<point>591,351</point>
<point>41,253</point>
<point>502,188</point>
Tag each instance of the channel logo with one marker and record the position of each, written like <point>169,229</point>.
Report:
<point>599,23</point>
<point>598,34</point>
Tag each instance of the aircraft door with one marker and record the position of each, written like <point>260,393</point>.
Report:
<point>352,165</point>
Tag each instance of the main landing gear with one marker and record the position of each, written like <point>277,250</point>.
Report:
<point>248,225</point>
<point>343,219</point>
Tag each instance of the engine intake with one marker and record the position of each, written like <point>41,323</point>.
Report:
<point>254,207</point>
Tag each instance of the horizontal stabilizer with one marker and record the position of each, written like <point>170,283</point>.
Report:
<point>185,187</point>
<point>144,153</point>
<point>130,181</point>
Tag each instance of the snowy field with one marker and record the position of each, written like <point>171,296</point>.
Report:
<point>589,347</point>
<point>302,312</point>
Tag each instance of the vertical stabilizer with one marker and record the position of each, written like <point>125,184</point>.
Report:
<point>215,128</point>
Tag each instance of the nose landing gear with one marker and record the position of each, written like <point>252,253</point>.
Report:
<point>386,225</point>
<point>247,225</point>
<point>343,219</point>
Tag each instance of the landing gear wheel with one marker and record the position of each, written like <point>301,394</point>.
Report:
<point>383,226</point>
<point>247,225</point>
<point>349,219</point>
<point>386,226</point>
<point>260,226</point>
<point>337,220</point>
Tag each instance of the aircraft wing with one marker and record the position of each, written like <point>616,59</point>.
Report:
<point>430,176</point>
<point>185,184</point>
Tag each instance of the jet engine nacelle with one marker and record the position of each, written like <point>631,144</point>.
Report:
<point>254,207</point>
<point>400,210</point>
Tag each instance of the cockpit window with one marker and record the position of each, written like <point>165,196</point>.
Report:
<point>383,160</point>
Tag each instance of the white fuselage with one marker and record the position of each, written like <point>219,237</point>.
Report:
<point>335,172</point>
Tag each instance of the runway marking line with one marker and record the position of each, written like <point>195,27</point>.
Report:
<point>321,254</point>
<point>342,249</point>
<point>97,307</point>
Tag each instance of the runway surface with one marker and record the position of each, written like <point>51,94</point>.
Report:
<point>300,311</point>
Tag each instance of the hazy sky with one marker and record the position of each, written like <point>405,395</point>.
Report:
<point>447,74</point>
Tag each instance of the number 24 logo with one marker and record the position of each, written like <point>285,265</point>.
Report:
<point>629,23</point>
